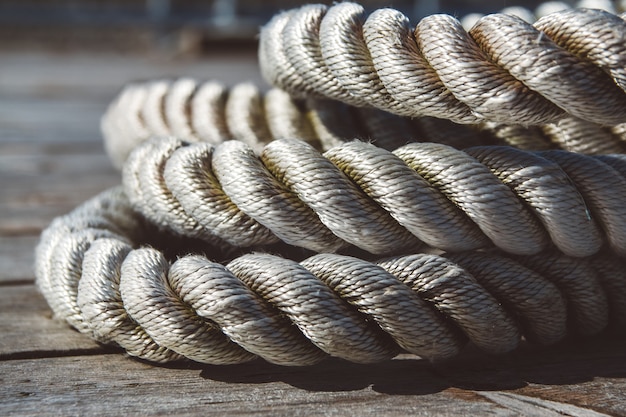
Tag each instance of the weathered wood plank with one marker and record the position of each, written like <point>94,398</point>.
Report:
<point>56,187</point>
<point>28,211</point>
<point>400,387</point>
<point>570,379</point>
<point>50,119</point>
<point>42,182</point>
<point>590,374</point>
<point>32,388</point>
<point>101,75</point>
<point>17,258</point>
<point>28,331</point>
<point>30,161</point>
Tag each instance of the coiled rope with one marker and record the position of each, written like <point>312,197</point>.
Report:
<point>94,275</point>
<point>181,261</point>
<point>210,112</point>
<point>380,201</point>
<point>503,70</point>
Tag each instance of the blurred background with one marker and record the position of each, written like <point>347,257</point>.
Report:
<point>185,26</point>
<point>62,61</point>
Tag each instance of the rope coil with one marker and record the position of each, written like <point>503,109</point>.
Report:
<point>210,112</point>
<point>221,251</point>
<point>503,70</point>
<point>380,201</point>
<point>293,313</point>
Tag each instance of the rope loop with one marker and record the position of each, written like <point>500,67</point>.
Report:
<point>383,202</point>
<point>210,112</point>
<point>502,70</point>
<point>166,307</point>
<point>368,207</point>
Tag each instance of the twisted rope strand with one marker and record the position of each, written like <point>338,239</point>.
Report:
<point>257,304</point>
<point>100,303</point>
<point>601,192</point>
<point>503,70</point>
<point>536,301</point>
<point>212,113</point>
<point>544,185</point>
<point>380,201</point>
<point>608,267</point>
<point>587,302</point>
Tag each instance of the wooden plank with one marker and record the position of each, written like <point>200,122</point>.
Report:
<point>28,331</point>
<point>396,388</point>
<point>570,379</point>
<point>43,171</point>
<point>144,390</point>
<point>32,388</point>
<point>28,211</point>
<point>101,75</point>
<point>50,119</point>
<point>588,374</point>
<point>42,182</point>
<point>17,258</point>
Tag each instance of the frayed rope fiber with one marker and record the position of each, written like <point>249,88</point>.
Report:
<point>295,242</point>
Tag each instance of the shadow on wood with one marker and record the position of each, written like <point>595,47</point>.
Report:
<point>572,362</point>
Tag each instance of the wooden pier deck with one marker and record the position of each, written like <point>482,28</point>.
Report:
<point>51,159</point>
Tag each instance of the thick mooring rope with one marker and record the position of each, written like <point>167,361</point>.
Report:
<point>94,274</point>
<point>210,112</point>
<point>222,251</point>
<point>380,201</point>
<point>503,70</point>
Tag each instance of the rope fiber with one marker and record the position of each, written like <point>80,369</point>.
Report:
<point>95,274</point>
<point>210,112</point>
<point>254,224</point>
<point>502,70</point>
<point>379,201</point>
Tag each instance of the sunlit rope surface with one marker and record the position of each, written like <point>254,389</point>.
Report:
<point>502,70</point>
<point>93,275</point>
<point>211,112</point>
<point>177,263</point>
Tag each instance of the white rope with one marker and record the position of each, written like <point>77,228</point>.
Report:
<point>503,70</point>
<point>380,201</point>
<point>164,308</point>
<point>181,262</point>
<point>213,113</point>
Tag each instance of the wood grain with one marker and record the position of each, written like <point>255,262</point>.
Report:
<point>93,75</point>
<point>396,388</point>
<point>36,353</point>
<point>99,388</point>
<point>17,259</point>
<point>41,182</point>
<point>28,331</point>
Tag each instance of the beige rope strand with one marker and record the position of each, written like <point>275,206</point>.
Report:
<point>324,124</point>
<point>503,69</point>
<point>380,201</point>
<point>257,304</point>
